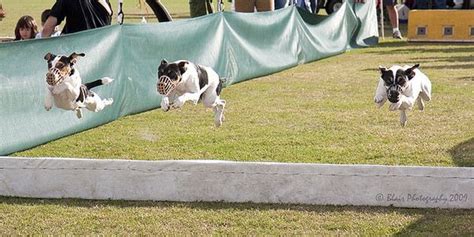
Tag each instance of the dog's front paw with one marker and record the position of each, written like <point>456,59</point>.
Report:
<point>395,106</point>
<point>178,103</point>
<point>165,104</point>
<point>379,101</point>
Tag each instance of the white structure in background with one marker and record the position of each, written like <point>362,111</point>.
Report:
<point>227,181</point>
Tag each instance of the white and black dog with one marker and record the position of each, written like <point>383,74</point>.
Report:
<point>402,86</point>
<point>65,88</point>
<point>182,81</point>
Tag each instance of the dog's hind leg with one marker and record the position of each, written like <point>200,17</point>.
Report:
<point>212,100</point>
<point>403,118</point>
<point>100,104</point>
<point>420,103</point>
<point>426,90</point>
<point>79,113</point>
<point>219,112</point>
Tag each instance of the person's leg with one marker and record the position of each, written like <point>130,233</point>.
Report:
<point>393,16</point>
<point>279,4</point>
<point>197,8</point>
<point>244,5</point>
<point>265,5</point>
<point>314,5</point>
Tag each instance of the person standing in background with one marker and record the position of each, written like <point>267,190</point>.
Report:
<point>393,16</point>
<point>79,14</point>
<point>200,7</point>
<point>26,28</point>
<point>251,5</point>
<point>44,16</point>
<point>279,4</point>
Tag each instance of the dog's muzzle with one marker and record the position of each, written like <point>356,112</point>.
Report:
<point>393,95</point>
<point>166,85</point>
<point>54,77</point>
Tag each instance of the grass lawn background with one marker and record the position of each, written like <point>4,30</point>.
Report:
<point>318,112</point>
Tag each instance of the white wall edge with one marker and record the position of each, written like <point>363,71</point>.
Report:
<point>259,182</point>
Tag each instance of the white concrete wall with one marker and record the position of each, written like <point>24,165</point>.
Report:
<point>237,182</point>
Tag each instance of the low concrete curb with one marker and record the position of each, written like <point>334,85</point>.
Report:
<point>372,185</point>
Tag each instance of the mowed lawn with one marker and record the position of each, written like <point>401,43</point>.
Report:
<point>85,217</point>
<point>320,112</point>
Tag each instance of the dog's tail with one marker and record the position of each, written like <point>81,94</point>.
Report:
<point>103,81</point>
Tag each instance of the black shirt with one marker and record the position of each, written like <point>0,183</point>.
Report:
<point>81,14</point>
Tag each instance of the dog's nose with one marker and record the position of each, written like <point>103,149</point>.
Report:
<point>393,96</point>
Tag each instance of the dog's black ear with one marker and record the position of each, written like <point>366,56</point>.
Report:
<point>410,72</point>
<point>73,57</point>
<point>49,56</point>
<point>182,66</point>
<point>163,64</point>
<point>382,69</point>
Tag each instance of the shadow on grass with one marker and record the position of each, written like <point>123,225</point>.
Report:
<point>450,63</point>
<point>441,59</point>
<point>463,153</point>
<point>432,221</point>
<point>404,47</point>
<point>438,223</point>
<point>471,78</point>
<point>450,66</point>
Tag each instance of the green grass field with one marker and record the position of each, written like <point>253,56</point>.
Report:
<point>319,112</point>
<point>83,217</point>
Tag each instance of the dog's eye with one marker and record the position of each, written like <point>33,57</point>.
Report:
<point>401,81</point>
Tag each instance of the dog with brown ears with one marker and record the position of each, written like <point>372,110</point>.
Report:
<point>65,88</point>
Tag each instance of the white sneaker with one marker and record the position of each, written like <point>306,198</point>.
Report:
<point>397,35</point>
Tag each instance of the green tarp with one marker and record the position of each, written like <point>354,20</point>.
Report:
<point>239,46</point>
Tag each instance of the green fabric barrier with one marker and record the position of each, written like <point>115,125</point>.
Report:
<point>239,46</point>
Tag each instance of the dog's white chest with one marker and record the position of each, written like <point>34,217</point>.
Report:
<point>66,93</point>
